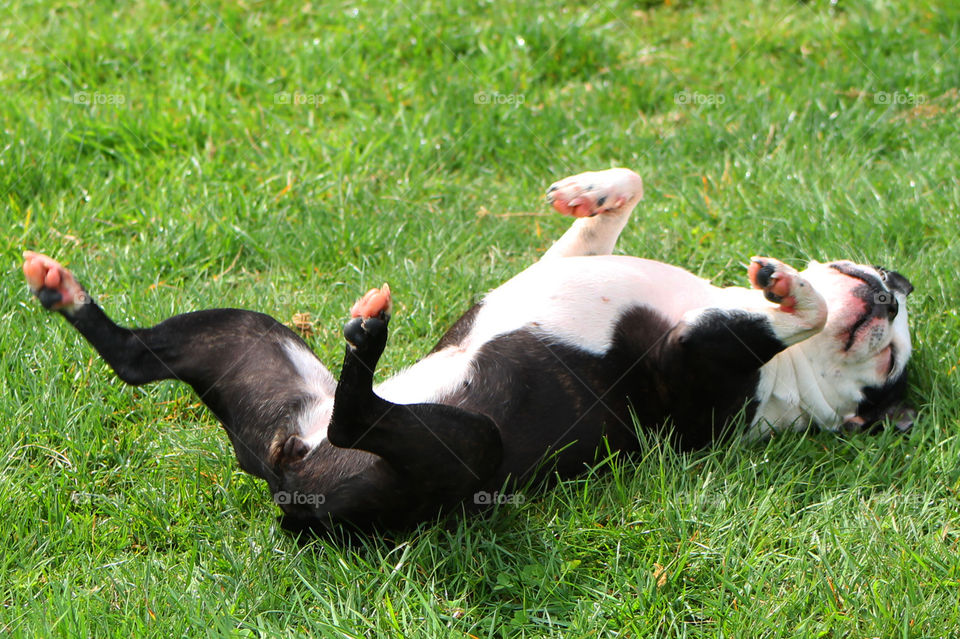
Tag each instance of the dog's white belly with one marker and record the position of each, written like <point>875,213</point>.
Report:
<point>575,301</point>
<point>435,376</point>
<point>578,300</point>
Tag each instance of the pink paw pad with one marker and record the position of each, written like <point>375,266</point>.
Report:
<point>376,302</point>
<point>775,279</point>
<point>592,193</point>
<point>51,282</point>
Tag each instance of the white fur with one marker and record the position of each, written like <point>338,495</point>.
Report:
<point>589,236</point>
<point>435,376</point>
<point>319,385</point>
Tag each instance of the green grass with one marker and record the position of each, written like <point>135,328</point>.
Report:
<point>809,131</point>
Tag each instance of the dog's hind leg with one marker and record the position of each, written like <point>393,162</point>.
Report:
<point>602,201</point>
<point>444,453</point>
<point>256,375</point>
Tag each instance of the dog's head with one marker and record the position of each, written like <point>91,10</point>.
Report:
<point>861,354</point>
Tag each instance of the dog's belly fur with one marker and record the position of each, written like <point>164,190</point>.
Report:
<point>574,303</point>
<point>555,404</point>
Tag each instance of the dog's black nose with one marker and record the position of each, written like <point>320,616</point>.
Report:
<point>892,309</point>
<point>885,304</point>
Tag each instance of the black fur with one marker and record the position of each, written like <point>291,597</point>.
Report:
<point>885,403</point>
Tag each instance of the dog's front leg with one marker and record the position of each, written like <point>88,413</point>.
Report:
<point>602,201</point>
<point>716,353</point>
<point>752,326</point>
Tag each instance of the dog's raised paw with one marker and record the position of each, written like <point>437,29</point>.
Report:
<point>595,192</point>
<point>783,285</point>
<point>52,283</point>
<point>775,279</point>
<point>800,309</point>
<point>361,333</point>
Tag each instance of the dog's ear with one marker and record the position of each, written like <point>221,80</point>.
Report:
<point>895,281</point>
<point>898,282</point>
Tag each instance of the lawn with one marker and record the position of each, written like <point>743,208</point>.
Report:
<point>284,157</point>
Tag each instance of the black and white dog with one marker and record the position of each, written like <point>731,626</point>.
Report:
<point>556,364</point>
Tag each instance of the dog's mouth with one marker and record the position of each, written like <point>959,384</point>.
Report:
<point>892,360</point>
<point>869,325</point>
